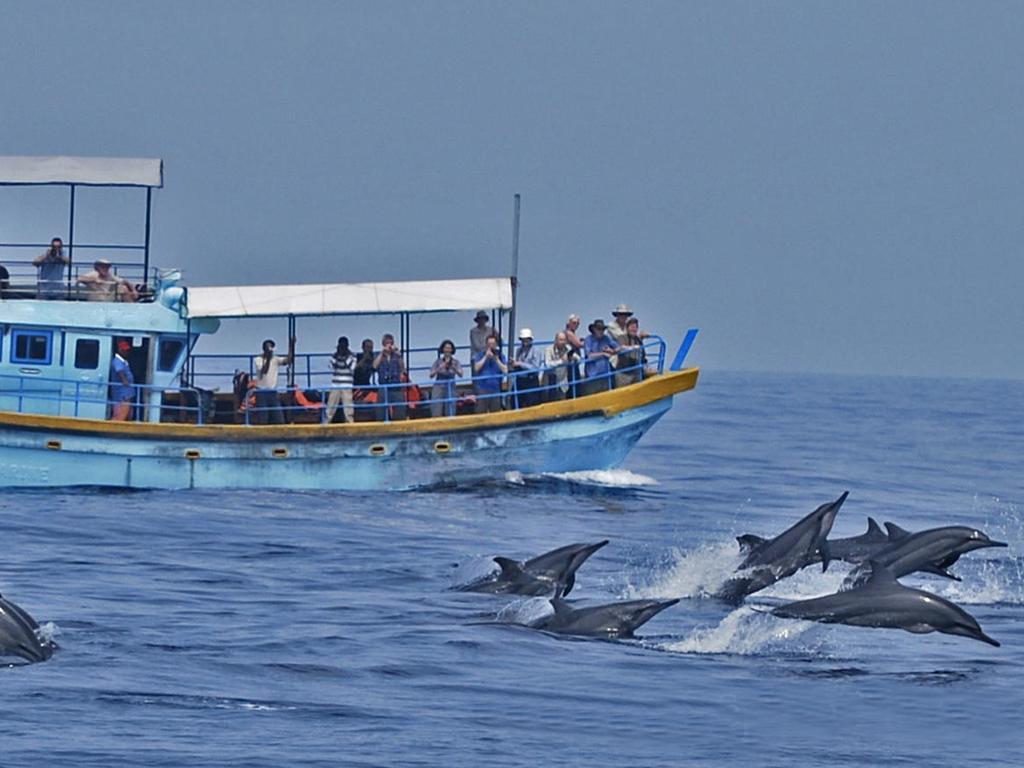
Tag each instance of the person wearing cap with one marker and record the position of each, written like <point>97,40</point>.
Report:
<point>631,360</point>
<point>599,349</point>
<point>526,368</point>
<point>617,328</point>
<point>478,334</point>
<point>102,285</point>
<point>122,382</point>
<point>50,264</point>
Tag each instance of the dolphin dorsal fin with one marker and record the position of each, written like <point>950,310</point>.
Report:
<point>560,606</point>
<point>895,532</point>
<point>749,541</point>
<point>509,568</point>
<point>874,527</point>
<point>880,574</point>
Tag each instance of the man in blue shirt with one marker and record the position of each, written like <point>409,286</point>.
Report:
<point>598,349</point>
<point>390,368</point>
<point>122,383</point>
<point>489,367</point>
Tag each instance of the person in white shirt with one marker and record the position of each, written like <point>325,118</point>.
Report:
<point>265,374</point>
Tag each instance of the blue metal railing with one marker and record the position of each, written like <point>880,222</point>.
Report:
<point>374,401</point>
<point>23,282</point>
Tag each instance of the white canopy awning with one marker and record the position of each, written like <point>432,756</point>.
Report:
<point>350,298</point>
<point>93,171</point>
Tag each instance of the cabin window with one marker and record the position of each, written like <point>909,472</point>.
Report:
<point>32,347</point>
<point>87,354</point>
<point>170,351</point>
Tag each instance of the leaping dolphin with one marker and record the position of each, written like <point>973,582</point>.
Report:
<point>612,620</point>
<point>19,634</point>
<point>884,602</point>
<point>768,560</point>
<point>932,551</point>
<point>857,549</point>
<point>553,573</point>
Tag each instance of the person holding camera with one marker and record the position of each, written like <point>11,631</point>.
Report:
<point>489,367</point>
<point>390,368</point>
<point>526,366</point>
<point>444,372</point>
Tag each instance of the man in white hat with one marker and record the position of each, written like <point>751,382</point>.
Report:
<point>102,285</point>
<point>617,327</point>
<point>525,369</point>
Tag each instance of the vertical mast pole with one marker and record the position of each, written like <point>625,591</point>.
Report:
<point>145,256</point>
<point>515,281</point>
<point>71,241</point>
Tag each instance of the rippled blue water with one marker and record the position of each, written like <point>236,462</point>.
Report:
<point>222,629</point>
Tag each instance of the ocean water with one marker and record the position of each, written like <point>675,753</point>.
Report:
<point>270,629</point>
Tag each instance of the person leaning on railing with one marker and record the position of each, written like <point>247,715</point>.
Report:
<point>102,285</point>
<point>444,371</point>
<point>489,366</point>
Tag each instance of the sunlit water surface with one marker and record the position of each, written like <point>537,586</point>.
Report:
<point>250,629</point>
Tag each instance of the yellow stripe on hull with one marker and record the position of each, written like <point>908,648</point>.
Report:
<point>606,403</point>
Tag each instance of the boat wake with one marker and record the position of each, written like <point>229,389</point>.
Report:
<point>596,478</point>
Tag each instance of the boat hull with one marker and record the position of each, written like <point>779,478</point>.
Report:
<point>587,434</point>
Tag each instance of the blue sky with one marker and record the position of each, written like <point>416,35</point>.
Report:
<point>830,187</point>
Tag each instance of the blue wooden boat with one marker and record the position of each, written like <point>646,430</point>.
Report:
<point>55,381</point>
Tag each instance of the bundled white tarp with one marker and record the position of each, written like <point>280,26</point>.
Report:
<point>350,298</point>
<point>92,171</point>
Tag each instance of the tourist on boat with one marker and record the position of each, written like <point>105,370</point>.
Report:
<point>557,361</point>
<point>631,360</point>
<point>122,382</point>
<point>444,371</point>
<point>575,353</point>
<point>51,263</point>
<point>616,330</point>
<point>268,408</point>
<point>5,281</point>
<point>343,363</point>
<point>599,349</point>
<point>526,367</point>
<point>363,375</point>
<point>478,334</point>
<point>390,368</point>
<point>489,366</point>
<point>103,285</point>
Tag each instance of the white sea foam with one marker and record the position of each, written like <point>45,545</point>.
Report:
<point>608,478</point>
<point>697,573</point>
<point>744,631</point>
<point>985,582</point>
<point>515,478</point>
<point>47,631</point>
<point>525,611</point>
